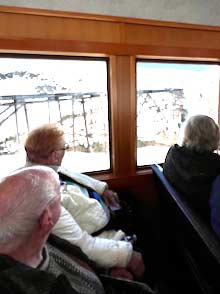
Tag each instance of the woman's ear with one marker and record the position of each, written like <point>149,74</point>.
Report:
<point>54,157</point>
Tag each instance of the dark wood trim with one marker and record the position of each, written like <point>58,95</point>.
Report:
<point>79,48</point>
<point>101,17</point>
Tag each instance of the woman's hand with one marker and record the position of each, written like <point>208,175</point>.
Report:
<point>111,199</point>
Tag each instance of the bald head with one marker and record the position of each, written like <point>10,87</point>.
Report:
<point>24,195</point>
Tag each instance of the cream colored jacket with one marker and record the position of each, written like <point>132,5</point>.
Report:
<point>81,216</point>
<point>106,253</point>
<point>90,214</point>
<point>80,213</point>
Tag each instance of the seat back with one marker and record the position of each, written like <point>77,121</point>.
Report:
<point>214,203</point>
<point>193,238</point>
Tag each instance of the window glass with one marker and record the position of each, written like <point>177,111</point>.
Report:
<point>167,94</point>
<point>71,92</point>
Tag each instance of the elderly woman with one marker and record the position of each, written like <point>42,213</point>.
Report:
<point>82,214</point>
<point>192,167</point>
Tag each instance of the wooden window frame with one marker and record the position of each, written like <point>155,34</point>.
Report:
<point>122,40</point>
<point>179,61</point>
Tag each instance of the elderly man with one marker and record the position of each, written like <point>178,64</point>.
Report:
<point>29,209</point>
<point>81,214</point>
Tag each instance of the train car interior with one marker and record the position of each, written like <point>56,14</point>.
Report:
<point>122,88</point>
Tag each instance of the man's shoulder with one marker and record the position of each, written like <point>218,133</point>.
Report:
<point>16,277</point>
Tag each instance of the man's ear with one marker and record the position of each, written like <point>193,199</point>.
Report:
<point>46,221</point>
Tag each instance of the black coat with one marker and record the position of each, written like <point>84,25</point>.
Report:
<point>17,278</point>
<point>192,174</point>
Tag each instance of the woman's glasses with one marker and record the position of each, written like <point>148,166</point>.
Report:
<point>66,147</point>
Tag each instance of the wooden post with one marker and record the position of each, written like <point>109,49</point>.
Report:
<point>16,120</point>
<point>61,119</point>
<point>48,106</point>
<point>73,126</point>
<point>26,116</point>
<point>85,121</point>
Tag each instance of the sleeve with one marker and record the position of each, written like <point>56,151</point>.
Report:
<point>96,185</point>
<point>214,203</point>
<point>104,252</point>
<point>87,212</point>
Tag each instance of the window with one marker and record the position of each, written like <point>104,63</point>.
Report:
<point>69,91</point>
<point>167,94</point>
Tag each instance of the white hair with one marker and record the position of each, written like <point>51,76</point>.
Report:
<point>201,134</point>
<point>24,195</point>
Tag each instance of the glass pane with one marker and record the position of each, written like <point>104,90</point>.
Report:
<point>167,94</point>
<point>70,92</point>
